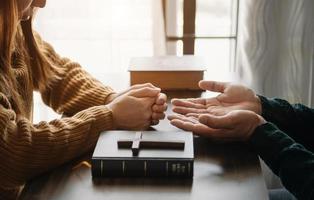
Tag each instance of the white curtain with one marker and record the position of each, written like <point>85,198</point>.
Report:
<point>275,51</point>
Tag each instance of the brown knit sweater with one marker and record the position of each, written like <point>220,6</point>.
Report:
<point>28,149</point>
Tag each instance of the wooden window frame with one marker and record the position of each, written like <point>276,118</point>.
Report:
<point>189,37</point>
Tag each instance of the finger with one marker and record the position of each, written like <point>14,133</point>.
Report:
<point>145,126</point>
<point>145,92</point>
<point>138,86</point>
<point>196,115</point>
<point>201,101</point>
<point>197,100</point>
<point>186,110</point>
<point>173,116</point>
<point>161,99</point>
<point>147,102</point>
<point>213,86</point>
<point>217,122</point>
<point>158,116</point>
<point>187,126</point>
<point>154,122</point>
<point>186,103</point>
<point>183,118</point>
<point>160,108</point>
<point>196,128</point>
<point>203,130</point>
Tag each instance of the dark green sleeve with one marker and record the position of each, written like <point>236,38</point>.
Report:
<point>289,160</point>
<point>296,120</point>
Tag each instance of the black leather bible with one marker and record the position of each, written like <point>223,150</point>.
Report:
<point>143,154</point>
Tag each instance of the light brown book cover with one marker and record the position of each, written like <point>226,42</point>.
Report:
<point>168,72</point>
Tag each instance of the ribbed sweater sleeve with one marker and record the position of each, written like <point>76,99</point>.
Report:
<point>296,120</point>
<point>74,89</point>
<point>293,163</point>
<point>27,149</point>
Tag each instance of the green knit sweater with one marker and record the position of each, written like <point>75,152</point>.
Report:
<point>286,144</point>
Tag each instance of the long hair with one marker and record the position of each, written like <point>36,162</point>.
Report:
<point>41,68</point>
<point>16,36</point>
<point>8,29</point>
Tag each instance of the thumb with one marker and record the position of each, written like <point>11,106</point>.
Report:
<point>216,122</point>
<point>145,92</point>
<point>161,99</point>
<point>213,86</point>
<point>149,101</point>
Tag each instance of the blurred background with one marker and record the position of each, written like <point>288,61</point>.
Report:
<point>102,35</point>
<point>266,44</point>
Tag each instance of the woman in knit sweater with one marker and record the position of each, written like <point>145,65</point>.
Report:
<point>282,134</point>
<point>28,64</point>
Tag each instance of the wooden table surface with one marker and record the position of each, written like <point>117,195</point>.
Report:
<point>221,171</point>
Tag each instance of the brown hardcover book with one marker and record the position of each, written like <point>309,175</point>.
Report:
<point>168,72</point>
<point>143,154</point>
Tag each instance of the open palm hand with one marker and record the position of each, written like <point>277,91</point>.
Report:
<point>237,125</point>
<point>232,97</point>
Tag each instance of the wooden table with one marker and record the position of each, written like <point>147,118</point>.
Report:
<point>221,171</point>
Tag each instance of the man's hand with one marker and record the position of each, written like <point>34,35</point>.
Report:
<point>158,107</point>
<point>232,97</point>
<point>237,125</point>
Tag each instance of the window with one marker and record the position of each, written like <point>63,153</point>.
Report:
<point>100,35</point>
<point>207,28</point>
<point>103,35</point>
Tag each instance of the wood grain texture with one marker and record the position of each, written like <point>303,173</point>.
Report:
<point>221,171</point>
<point>178,80</point>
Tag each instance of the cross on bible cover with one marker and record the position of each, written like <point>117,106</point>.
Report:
<point>143,154</point>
